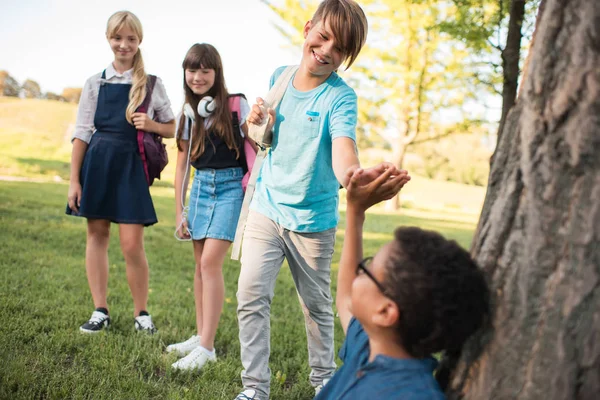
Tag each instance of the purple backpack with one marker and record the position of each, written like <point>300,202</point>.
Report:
<point>150,145</point>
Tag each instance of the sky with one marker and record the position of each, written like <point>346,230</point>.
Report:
<point>60,43</point>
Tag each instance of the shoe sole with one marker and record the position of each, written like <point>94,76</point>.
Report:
<point>179,353</point>
<point>190,369</point>
<point>90,332</point>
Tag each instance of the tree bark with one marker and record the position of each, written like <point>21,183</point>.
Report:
<point>511,56</point>
<point>539,232</point>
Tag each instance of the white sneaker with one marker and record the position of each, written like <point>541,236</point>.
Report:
<point>319,387</point>
<point>195,360</point>
<point>248,394</point>
<point>98,322</point>
<point>143,323</point>
<point>184,348</point>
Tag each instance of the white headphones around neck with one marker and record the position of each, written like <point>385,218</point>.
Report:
<point>206,106</point>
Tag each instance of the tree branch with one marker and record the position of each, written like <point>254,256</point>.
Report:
<point>430,138</point>
<point>495,46</point>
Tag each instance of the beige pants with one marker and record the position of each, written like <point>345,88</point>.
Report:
<point>264,248</point>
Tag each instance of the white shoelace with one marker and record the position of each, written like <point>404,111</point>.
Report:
<point>193,340</point>
<point>97,317</point>
<point>145,322</point>
<point>247,394</point>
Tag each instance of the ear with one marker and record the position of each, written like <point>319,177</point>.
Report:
<point>386,314</point>
<point>307,28</point>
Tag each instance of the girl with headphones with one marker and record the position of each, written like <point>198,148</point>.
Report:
<point>210,138</point>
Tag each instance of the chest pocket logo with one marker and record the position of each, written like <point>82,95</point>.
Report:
<point>311,124</point>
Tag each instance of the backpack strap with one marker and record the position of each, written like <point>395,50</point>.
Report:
<point>259,133</point>
<point>234,107</point>
<point>150,83</point>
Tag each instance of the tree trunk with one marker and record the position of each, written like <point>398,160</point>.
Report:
<point>538,236</point>
<point>511,56</point>
<point>393,204</point>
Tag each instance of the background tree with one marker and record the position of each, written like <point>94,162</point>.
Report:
<point>539,230</point>
<point>494,31</point>
<point>8,85</point>
<point>72,95</point>
<point>31,89</point>
<point>54,96</point>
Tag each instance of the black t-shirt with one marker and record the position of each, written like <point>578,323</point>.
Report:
<point>217,155</point>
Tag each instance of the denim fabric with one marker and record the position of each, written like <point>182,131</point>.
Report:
<point>383,378</point>
<point>215,203</point>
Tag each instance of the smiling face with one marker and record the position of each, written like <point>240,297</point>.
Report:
<point>124,44</point>
<point>321,54</point>
<point>201,80</point>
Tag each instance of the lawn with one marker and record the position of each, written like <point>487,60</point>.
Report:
<point>44,295</point>
<point>44,298</point>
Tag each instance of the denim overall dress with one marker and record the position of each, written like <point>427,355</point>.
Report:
<point>113,182</point>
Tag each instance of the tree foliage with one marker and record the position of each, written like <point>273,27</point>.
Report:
<point>31,89</point>
<point>8,85</point>
<point>72,95</point>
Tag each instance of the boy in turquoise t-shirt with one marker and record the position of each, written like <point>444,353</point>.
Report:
<point>294,212</point>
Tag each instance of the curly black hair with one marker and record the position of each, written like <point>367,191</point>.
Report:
<point>442,294</point>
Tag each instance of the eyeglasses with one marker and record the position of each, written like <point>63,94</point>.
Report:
<point>362,267</point>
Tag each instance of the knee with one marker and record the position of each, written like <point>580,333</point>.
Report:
<point>251,299</point>
<point>98,234</point>
<point>317,306</point>
<point>208,267</point>
<point>131,247</point>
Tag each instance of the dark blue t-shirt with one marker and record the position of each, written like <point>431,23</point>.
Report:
<point>383,378</point>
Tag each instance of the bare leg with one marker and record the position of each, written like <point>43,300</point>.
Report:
<point>132,245</point>
<point>96,259</point>
<point>198,248</point>
<point>213,288</point>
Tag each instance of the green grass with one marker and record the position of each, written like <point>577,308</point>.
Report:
<point>35,143</point>
<point>44,298</point>
<point>44,295</point>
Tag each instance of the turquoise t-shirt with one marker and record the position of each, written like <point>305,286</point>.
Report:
<point>297,187</point>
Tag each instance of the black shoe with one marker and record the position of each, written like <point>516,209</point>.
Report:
<point>98,322</point>
<point>143,323</point>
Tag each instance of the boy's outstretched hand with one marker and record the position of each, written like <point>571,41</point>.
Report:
<point>369,187</point>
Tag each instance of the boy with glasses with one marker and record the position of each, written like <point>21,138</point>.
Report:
<point>419,295</point>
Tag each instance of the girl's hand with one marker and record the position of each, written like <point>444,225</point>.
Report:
<point>74,196</point>
<point>142,122</point>
<point>363,191</point>
<point>182,231</point>
<point>256,115</point>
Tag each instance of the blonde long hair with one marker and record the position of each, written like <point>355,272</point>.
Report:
<point>137,93</point>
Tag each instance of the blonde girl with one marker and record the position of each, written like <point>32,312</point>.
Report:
<point>108,182</point>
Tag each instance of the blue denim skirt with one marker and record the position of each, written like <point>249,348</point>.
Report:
<point>215,203</point>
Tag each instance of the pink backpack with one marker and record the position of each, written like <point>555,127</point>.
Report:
<point>250,154</point>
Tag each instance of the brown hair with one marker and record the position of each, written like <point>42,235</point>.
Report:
<point>348,24</point>
<point>205,56</point>
<point>137,93</point>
